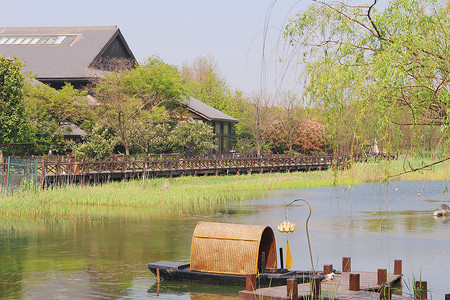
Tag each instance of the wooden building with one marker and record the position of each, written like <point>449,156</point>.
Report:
<point>57,55</point>
<point>220,121</point>
<point>79,55</point>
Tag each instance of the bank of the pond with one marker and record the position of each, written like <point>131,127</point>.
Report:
<point>194,195</point>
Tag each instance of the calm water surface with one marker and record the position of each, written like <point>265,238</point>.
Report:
<point>106,258</point>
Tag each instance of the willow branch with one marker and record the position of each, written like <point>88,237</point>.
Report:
<point>421,168</point>
<point>370,18</point>
<point>375,33</point>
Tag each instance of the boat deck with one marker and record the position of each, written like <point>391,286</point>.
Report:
<point>338,288</point>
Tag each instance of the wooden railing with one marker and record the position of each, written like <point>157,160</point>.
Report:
<point>68,170</point>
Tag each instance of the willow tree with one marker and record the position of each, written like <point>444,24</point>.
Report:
<point>373,68</point>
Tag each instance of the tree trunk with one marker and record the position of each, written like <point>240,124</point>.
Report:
<point>258,148</point>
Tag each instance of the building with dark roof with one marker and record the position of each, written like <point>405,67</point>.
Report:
<point>78,55</point>
<point>220,121</point>
<point>65,54</point>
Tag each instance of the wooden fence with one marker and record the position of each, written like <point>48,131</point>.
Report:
<point>67,170</point>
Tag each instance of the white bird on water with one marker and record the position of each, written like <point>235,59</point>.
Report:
<point>442,210</point>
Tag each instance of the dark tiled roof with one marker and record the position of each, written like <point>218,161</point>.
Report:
<point>72,129</point>
<point>72,61</point>
<point>206,111</point>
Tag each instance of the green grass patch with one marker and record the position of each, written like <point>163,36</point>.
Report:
<point>189,196</point>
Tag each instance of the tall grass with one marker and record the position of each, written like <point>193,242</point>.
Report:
<point>187,196</point>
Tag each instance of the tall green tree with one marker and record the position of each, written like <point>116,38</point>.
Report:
<point>192,138</point>
<point>47,108</point>
<point>45,102</point>
<point>150,137</point>
<point>367,66</point>
<point>13,123</point>
<point>206,84</point>
<point>144,93</point>
<point>99,144</point>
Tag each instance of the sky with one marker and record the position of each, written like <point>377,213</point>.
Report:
<point>234,32</point>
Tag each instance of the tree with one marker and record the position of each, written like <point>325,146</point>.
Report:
<point>192,138</point>
<point>372,66</point>
<point>256,113</point>
<point>149,137</point>
<point>13,123</point>
<point>47,108</point>
<point>45,102</point>
<point>290,133</point>
<point>99,144</point>
<point>311,138</point>
<point>206,84</point>
<point>290,119</point>
<point>143,93</point>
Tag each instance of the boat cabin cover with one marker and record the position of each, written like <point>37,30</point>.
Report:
<point>232,248</point>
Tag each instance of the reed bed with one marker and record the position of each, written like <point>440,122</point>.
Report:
<point>188,196</point>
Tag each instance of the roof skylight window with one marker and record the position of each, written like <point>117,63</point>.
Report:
<point>59,39</point>
<point>11,40</point>
<point>37,40</point>
<point>68,39</point>
<point>33,41</point>
<point>18,40</point>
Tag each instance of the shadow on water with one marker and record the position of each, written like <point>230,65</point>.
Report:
<point>107,257</point>
<point>193,290</point>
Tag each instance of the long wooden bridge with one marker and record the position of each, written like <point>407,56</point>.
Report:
<point>67,170</point>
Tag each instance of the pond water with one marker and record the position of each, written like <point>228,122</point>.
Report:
<point>106,258</point>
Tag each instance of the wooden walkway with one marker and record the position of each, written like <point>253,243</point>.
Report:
<point>92,171</point>
<point>338,288</point>
<point>68,170</point>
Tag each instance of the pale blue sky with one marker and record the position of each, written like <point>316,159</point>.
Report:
<point>178,31</point>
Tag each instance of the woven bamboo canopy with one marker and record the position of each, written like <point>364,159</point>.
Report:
<point>232,248</point>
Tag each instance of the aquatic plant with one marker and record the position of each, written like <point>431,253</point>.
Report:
<point>188,196</point>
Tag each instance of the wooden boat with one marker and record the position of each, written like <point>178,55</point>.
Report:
<point>224,253</point>
<point>169,270</point>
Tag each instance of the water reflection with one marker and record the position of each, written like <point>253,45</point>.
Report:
<point>194,290</point>
<point>91,257</point>
<point>107,257</point>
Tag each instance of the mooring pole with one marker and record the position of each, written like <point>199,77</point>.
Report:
<point>7,174</point>
<point>281,258</point>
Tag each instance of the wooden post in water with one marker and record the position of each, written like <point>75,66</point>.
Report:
<point>250,282</point>
<point>327,269</point>
<point>398,267</point>
<point>381,276</point>
<point>385,292</point>
<point>354,282</point>
<point>44,172</point>
<point>420,291</point>
<point>281,258</point>
<point>346,264</point>
<point>158,278</point>
<point>315,288</point>
<point>292,288</point>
